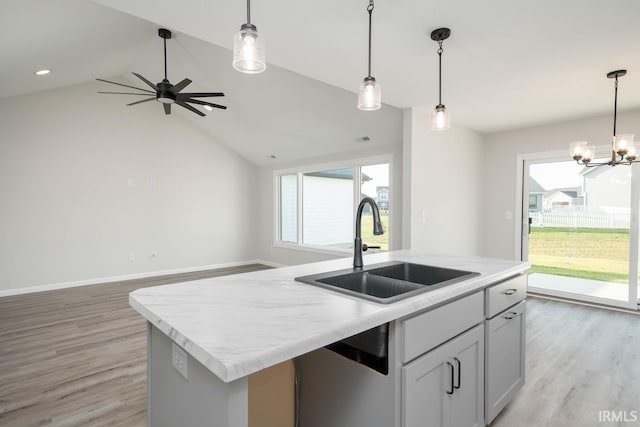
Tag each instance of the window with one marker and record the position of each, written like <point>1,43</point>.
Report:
<point>316,207</point>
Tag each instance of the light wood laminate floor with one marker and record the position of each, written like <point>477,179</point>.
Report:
<point>580,360</point>
<point>77,356</point>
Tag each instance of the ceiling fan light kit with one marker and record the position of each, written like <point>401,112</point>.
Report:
<point>370,93</point>
<point>440,119</point>
<point>248,48</point>
<point>167,93</point>
<point>623,150</point>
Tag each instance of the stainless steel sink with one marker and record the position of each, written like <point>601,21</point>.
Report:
<point>388,282</point>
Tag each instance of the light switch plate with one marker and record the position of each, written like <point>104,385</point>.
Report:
<point>179,360</point>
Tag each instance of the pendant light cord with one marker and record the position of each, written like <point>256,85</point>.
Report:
<point>440,73</point>
<point>615,108</point>
<point>370,10</point>
<point>249,12</point>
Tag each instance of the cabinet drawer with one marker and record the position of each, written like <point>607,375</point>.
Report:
<point>425,331</point>
<point>506,294</point>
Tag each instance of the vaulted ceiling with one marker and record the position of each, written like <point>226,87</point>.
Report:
<point>507,64</point>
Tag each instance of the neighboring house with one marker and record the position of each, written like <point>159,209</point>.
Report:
<point>536,193</point>
<point>562,198</point>
<point>382,197</point>
<point>607,188</point>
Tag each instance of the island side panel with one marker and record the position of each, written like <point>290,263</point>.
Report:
<point>202,400</point>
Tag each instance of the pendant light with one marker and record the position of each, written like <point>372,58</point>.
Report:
<point>623,149</point>
<point>440,116</point>
<point>369,96</point>
<point>248,48</point>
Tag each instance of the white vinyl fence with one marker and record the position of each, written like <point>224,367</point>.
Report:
<point>580,219</point>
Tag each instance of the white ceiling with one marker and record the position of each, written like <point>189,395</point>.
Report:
<point>508,64</point>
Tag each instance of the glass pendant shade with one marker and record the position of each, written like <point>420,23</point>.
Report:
<point>370,95</point>
<point>622,143</point>
<point>576,149</point>
<point>440,118</point>
<point>248,50</point>
<point>588,153</point>
<point>632,152</point>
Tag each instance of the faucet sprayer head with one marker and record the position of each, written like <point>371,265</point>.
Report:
<point>377,228</point>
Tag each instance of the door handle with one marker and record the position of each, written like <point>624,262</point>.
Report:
<point>530,221</point>
<point>450,370</point>
<point>459,372</point>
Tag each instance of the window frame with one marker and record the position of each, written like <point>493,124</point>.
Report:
<point>357,165</point>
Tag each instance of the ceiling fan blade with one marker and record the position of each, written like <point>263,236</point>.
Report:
<point>144,100</point>
<point>190,108</point>
<point>120,84</point>
<point>177,88</point>
<point>197,101</point>
<point>126,93</point>
<point>145,80</point>
<point>199,95</point>
<point>167,108</point>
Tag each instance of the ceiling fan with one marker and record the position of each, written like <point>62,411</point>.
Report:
<point>167,93</point>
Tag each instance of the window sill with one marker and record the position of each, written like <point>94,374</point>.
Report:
<point>341,253</point>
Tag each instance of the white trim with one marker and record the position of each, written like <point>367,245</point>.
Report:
<point>579,302</point>
<point>581,298</point>
<point>269,263</point>
<point>311,248</point>
<point>103,280</point>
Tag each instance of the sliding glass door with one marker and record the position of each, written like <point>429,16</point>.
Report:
<point>580,231</point>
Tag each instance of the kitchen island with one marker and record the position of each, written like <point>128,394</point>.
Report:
<point>234,326</point>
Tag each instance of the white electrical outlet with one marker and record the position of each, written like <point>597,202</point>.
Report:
<point>132,256</point>
<point>179,360</point>
<point>154,254</point>
<point>153,183</point>
<point>130,182</point>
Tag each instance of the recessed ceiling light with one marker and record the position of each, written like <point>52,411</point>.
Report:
<point>208,108</point>
<point>42,72</point>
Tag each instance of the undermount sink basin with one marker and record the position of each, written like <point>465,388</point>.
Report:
<point>388,282</point>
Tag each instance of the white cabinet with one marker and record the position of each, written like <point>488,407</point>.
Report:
<point>445,387</point>
<point>505,345</point>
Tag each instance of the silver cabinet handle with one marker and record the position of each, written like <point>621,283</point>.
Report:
<point>510,291</point>
<point>510,315</point>
<point>459,372</point>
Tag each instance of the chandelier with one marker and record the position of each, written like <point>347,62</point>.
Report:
<point>623,150</point>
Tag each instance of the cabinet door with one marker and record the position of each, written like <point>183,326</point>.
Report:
<point>467,408</point>
<point>426,381</point>
<point>445,387</point>
<point>505,358</point>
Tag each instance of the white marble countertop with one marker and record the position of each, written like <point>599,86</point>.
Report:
<point>237,325</point>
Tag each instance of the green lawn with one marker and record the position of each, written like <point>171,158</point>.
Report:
<point>367,231</point>
<point>590,253</point>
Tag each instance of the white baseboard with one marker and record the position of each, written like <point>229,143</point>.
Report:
<point>103,280</point>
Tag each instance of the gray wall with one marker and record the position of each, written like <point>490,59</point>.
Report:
<point>501,151</point>
<point>68,213</point>
<point>443,203</point>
